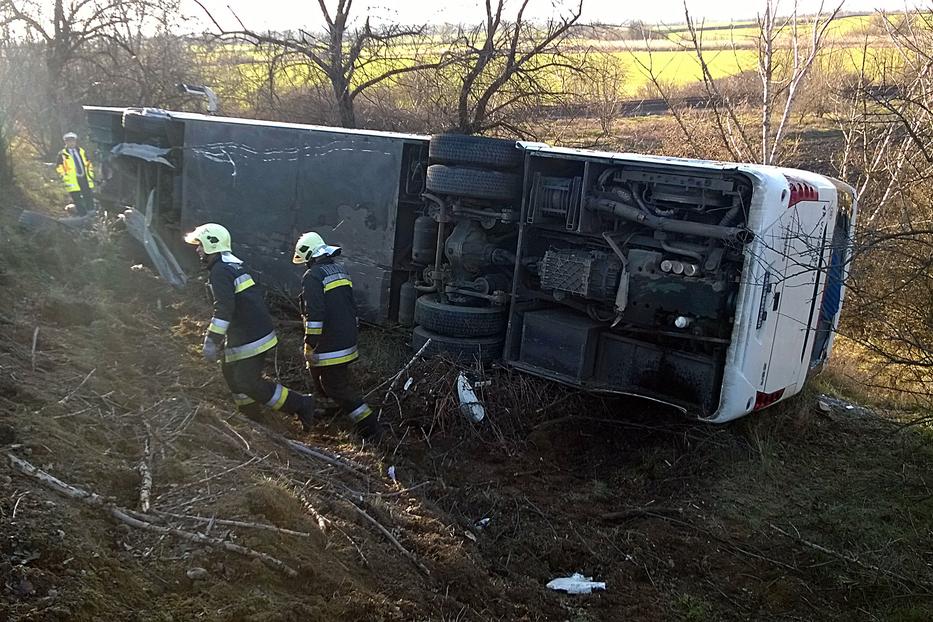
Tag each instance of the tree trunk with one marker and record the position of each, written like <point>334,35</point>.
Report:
<point>344,101</point>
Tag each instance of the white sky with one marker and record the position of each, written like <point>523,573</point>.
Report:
<point>293,14</point>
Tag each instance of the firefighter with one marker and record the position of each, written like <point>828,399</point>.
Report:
<point>331,330</point>
<point>241,331</point>
<point>77,174</point>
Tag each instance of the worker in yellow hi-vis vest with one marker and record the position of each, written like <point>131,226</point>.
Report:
<point>77,174</point>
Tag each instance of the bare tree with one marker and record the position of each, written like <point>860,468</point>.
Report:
<point>886,118</point>
<point>353,59</point>
<point>600,89</point>
<point>141,60</point>
<point>775,87</point>
<point>6,156</point>
<point>788,48</point>
<point>503,65</point>
<point>68,35</point>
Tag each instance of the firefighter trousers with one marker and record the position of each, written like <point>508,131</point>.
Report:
<point>251,390</point>
<point>339,384</point>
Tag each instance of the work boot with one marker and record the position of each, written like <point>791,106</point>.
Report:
<point>370,430</point>
<point>251,410</point>
<point>305,412</point>
<point>326,407</point>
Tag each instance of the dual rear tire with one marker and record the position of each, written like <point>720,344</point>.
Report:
<point>471,167</point>
<point>463,334</point>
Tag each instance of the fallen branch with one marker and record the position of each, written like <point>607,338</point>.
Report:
<point>305,450</point>
<point>725,541</point>
<point>235,523</point>
<point>173,436</point>
<point>238,435</point>
<point>398,493</point>
<point>35,342</point>
<point>145,471</point>
<point>56,484</point>
<point>421,567</point>
<point>77,388</point>
<point>122,515</point>
<point>398,375</point>
<point>850,559</point>
<point>567,396</point>
<point>214,476</point>
<point>402,371</point>
<point>645,512</point>
<point>322,521</point>
<point>126,516</point>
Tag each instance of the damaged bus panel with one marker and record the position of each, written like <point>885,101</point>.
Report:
<point>709,286</point>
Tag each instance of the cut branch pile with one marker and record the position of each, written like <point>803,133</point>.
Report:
<point>140,520</point>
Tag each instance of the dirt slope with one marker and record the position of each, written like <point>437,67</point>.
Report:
<point>682,521</point>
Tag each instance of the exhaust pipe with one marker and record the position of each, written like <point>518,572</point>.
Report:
<point>660,223</point>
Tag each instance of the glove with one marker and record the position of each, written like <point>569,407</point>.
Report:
<point>211,350</point>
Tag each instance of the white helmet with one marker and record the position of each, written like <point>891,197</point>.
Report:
<point>70,135</point>
<point>311,246</point>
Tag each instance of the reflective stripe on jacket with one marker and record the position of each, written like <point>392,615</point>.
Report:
<point>329,313</point>
<point>68,171</point>
<point>241,321</point>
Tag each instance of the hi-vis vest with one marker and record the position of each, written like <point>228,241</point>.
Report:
<point>69,173</point>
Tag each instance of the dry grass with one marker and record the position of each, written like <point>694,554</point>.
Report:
<point>545,467</point>
<point>857,374</point>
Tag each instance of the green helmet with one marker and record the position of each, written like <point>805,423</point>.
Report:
<point>212,237</point>
<point>311,246</point>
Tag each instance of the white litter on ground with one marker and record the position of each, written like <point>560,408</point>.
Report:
<point>576,584</point>
<point>469,403</point>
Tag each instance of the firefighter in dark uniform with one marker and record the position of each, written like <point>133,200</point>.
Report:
<point>241,331</point>
<point>331,330</point>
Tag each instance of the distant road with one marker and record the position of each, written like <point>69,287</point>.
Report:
<point>627,108</point>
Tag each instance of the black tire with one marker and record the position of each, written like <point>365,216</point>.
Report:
<point>475,183</point>
<point>464,349</point>
<point>476,151</point>
<point>456,321</point>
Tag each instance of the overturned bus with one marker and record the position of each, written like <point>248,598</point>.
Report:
<point>710,286</point>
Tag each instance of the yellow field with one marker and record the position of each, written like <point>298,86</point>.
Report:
<point>747,32</point>
<point>729,51</point>
<point>680,68</point>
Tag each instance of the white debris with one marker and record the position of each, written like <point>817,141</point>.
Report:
<point>196,573</point>
<point>576,584</point>
<point>408,384</point>
<point>470,405</point>
<point>391,472</point>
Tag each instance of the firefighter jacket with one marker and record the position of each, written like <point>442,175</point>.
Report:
<point>240,315</point>
<point>68,169</point>
<point>329,313</point>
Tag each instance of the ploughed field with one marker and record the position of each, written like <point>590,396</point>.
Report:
<point>816,509</point>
